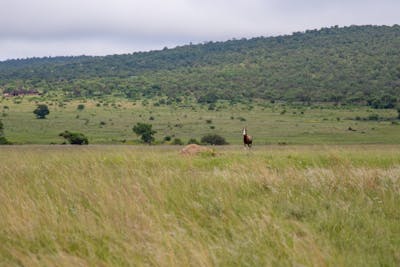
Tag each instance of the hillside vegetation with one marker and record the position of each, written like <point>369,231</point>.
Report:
<point>135,206</point>
<point>356,64</point>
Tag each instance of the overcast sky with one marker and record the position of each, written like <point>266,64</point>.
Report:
<point>100,27</point>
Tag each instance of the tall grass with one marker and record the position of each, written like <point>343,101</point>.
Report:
<point>135,206</point>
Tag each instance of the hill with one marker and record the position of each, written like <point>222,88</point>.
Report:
<point>356,64</point>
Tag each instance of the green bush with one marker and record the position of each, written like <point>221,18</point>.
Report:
<point>384,101</point>
<point>213,139</point>
<point>373,117</point>
<point>145,131</point>
<point>398,112</point>
<point>75,138</point>
<point>3,139</point>
<point>193,141</point>
<point>177,141</point>
<point>41,111</point>
<point>211,106</point>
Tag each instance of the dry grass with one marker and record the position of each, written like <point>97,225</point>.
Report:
<point>135,206</point>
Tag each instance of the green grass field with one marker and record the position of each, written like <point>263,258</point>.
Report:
<point>150,206</point>
<point>111,122</point>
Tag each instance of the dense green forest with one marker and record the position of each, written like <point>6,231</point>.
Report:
<point>349,65</point>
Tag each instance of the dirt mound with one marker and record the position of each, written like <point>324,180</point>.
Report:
<point>194,149</point>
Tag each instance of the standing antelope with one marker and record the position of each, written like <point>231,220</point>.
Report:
<point>247,139</point>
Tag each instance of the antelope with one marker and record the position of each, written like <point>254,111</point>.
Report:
<point>247,139</point>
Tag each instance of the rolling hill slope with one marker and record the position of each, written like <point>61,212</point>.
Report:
<point>356,64</point>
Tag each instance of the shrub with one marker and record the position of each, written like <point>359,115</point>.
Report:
<point>398,112</point>
<point>145,131</point>
<point>193,141</point>
<point>3,140</point>
<point>75,138</point>
<point>213,139</point>
<point>41,111</point>
<point>211,106</point>
<point>81,107</point>
<point>384,101</point>
<point>373,117</point>
<point>177,141</point>
<point>209,98</point>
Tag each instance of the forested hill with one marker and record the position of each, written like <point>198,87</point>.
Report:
<point>356,64</point>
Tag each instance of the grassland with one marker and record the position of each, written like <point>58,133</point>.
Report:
<point>110,121</point>
<point>150,206</point>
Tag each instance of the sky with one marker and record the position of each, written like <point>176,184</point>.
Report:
<point>37,28</point>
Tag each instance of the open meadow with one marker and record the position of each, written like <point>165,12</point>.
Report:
<point>322,205</point>
<point>110,121</point>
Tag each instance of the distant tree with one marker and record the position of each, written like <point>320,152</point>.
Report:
<point>398,111</point>
<point>3,140</point>
<point>41,111</point>
<point>384,101</point>
<point>145,131</point>
<point>75,138</point>
<point>208,98</point>
<point>81,107</point>
<point>213,139</point>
